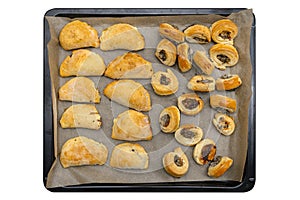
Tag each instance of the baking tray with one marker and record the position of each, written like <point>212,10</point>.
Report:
<point>248,179</point>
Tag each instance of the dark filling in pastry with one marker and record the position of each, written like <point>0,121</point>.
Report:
<point>201,39</point>
<point>164,80</point>
<point>205,81</point>
<point>223,124</point>
<point>190,103</point>
<point>226,76</point>
<point>225,35</point>
<point>178,161</point>
<point>216,161</point>
<point>165,120</point>
<point>176,27</point>
<point>187,133</point>
<point>223,58</point>
<point>162,55</point>
<point>208,152</point>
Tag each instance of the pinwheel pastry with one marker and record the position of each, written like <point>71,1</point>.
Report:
<point>166,52</point>
<point>176,163</point>
<point>184,62</point>
<point>222,103</point>
<point>204,151</point>
<point>83,151</point>
<point>129,156</point>
<point>201,83</point>
<point>203,62</point>
<point>224,123</point>
<point>224,31</point>
<point>81,116</point>
<point>82,62</point>
<point>190,103</point>
<point>79,89</point>
<point>78,34</point>
<point>197,34</point>
<point>224,55</point>
<point>131,125</point>
<point>228,82</point>
<point>219,166</point>
<point>164,83</point>
<point>169,119</point>
<point>121,36</point>
<point>129,93</point>
<point>188,134</point>
<point>171,32</point>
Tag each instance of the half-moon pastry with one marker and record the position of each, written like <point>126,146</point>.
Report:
<point>83,151</point>
<point>129,66</point>
<point>201,83</point>
<point>164,83</point>
<point>188,135</point>
<point>224,31</point>
<point>204,151</point>
<point>166,52</point>
<point>219,166</point>
<point>222,102</point>
<point>190,103</point>
<point>129,156</point>
<point>176,163</point>
<point>131,125</point>
<point>197,34</point>
<point>203,62</point>
<point>228,82</point>
<point>81,116</point>
<point>129,93</point>
<point>78,34</point>
<point>169,119</point>
<point>79,89</point>
<point>224,55</point>
<point>224,123</point>
<point>121,36</point>
<point>171,32</point>
<point>184,62</point>
<point>82,62</point>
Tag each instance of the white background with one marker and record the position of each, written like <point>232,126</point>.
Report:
<point>21,82</point>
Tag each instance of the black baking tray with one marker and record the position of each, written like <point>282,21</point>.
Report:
<point>248,179</point>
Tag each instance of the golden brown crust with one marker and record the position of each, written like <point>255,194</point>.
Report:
<point>171,32</point>
<point>224,123</point>
<point>169,119</point>
<point>176,163</point>
<point>190,103</point>
<point>164,83</point>
<point>224,55</point>
<point>197,34</point>
<point>78,34</point>
<point>183,57</point>
<point>224,31</point>
<point>228,82</point>
<point>203,62</point>
<point>166,52</point>
<point>204,151</point>
<point>223,102</point>
<point>201,83</point>
<point>188,135</point>
<point>220,165</point>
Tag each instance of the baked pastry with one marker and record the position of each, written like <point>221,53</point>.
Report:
<point>197,34</point>
<point>224,123</point>
<point>223,103</point>
<point>129,93</point>
<point>228,82</point>
<point>204,151</point>
<point>201,83</point>
<point>164,83</point>
<point>81,116</point>
<point>224,31</point>
<point>176,163</point>
<point>131,125</point>
<point>169,119</point>
<point>203,62</point>
<point>82,62</point>
<point>171,32</point>
<point>83,151</point>
<point>190,104</point>
<point>79,89</point>
<point>78,34</point>
<point>166,52</point>
<point>224,55</point>
<point>183,57</point>
<point>122,36</point>
<point>188,134</point>
<point>129,156</point>
<point>129,66</point>
<point>219,166</point>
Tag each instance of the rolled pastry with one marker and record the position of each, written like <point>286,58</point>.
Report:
<point>224,55</point>
<point>222,102</point>
<point>224,123</point>
<point>224,31</point>
<point>201,83</point>
<point>188,134</point>
<point>228,82</point>
<point>197,34</point>
<point>184,62</point>
<point>164,83</point>
<point>169,119</point>
<point>219,166</point>
<point>176,163</point>
<point>203,62</point>
<point>190,103</point>
<point>204,151</point>
<point>166,52</point>
<point>171,32</point>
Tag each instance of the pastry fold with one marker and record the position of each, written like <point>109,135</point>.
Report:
<point>224,123</point>
<point>197,34</point>
<point>171,32</point>
<point>202,83</point>
<point>166,52</point>
<point>184,61</point>
<point>176,163</point>
<point>169,119</point>
<point>222,102</point>
<point>224,31</point>
<point>219,166</point>
<point>204,151</point>
<point>190,103</point>
<point>228,82</point>
<point>224,55</point>
<point>164,83</point>
<point>188,135</point>
<point>203,62</point>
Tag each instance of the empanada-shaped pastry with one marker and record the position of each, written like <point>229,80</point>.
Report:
<point>202,83</point>
<point>81,116</point>
<point>224,123</point>
<point>188,135</point>
<point>176,163</point>
<point>219,166</point>
<point>203,62</point>
<point>169,119</point>
<point>129,93</point>
<point>171,32</point>
<point>224,31</point>
<point>79,89</point>
<point>83,151</point>
<point>129,156</point>
<point>121,36</point>
<point>82,62</point>
<point>204,151</point>
<point>184,62</point>
<point>131,125</point>
<point>164,83</point>
<point>166,52</point>
<point>78,34</point>
<point>190,103</point>
<point>228,82</point>
<point>224,55</point>
<point>129,65</point>
<point>197,34</point>
<point>222,102</point>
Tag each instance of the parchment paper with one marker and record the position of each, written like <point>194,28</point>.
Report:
<point>234,146</point>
